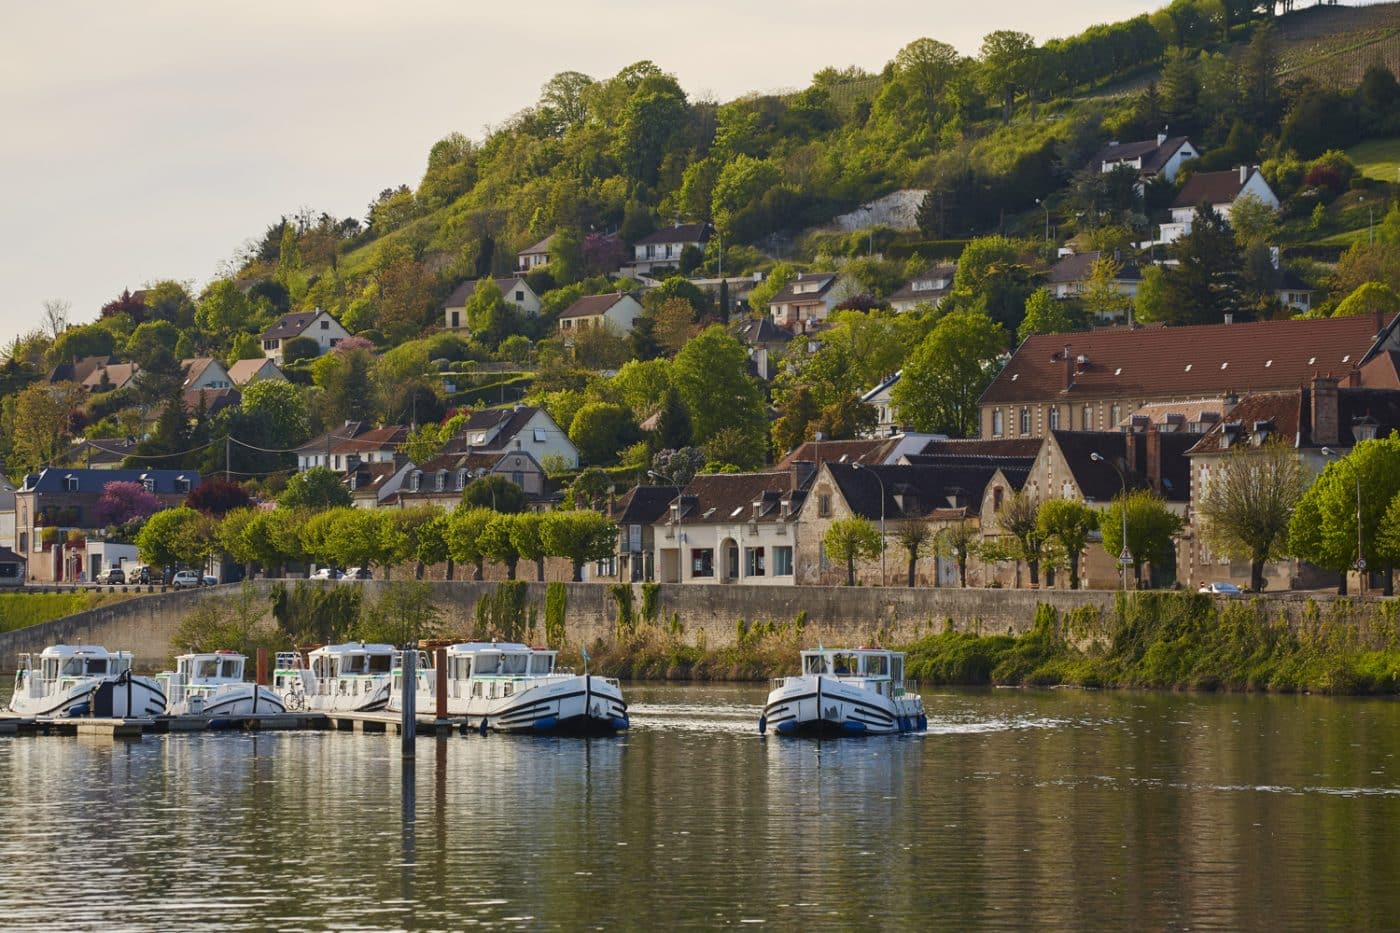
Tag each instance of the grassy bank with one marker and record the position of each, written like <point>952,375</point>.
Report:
<point>1165,641</point>
<point>18,610</point>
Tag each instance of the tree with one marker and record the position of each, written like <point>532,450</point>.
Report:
<point>798,420</point>
<point>923,68</point>
<point>848,418</point>
<point>525,536</point>
<point>1248,502</point>
<point>1008,62</point>
<point>580,536</point>
<point>124,502</point>
<point>711,375</point>
<point>1153,304</point>
<point>176,537</point>
<point>673,324</point>
<point>678,467</point>
<point>401,534</point>
<point>1368,298</point>
<point>913,536</point>
<point>777,279</point>
<point>316,488</point>
<point>55,316</point>
<point>232,534</point>
<point>1323,527</point>
<point>1253,220</point>
<point>946,375</point>
<point>495,492</point>
<point>561,100</point>
<point>223,308</point>
<point>1068,522</point>
<point>300,348</point>
<point>1205,284</point>
<point>1019,521</point>
<point>995,274</point>
<point>1045,314</point>
<point>1151,528</point>
<point>344,378</point>
<point>1101,295</point>
<point>42,423</point>
<point>962,538</point>
<point>217,497</point>
<point>279,409</point>
<point>850,539</point>
<point>464,537</point>
<point>600,430</point>
<point>673,428</point>
<point>497,542</point>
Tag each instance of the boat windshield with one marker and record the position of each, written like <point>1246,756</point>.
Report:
<point>814,664</point>
<point>875,665</point>
<point>206,668</point>
<point>541,663</point>
<point>231,669</point>
<point>843,663</point>
<point>514,663</point>
<point>380,663</point>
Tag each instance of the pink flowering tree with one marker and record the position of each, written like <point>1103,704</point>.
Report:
<point>124,502</point>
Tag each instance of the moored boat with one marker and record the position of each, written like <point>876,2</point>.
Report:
<point>844,691</point>
<point>83,680</point>
<point>511,687</point>
<point>350,677</point>
<point>211,684</point>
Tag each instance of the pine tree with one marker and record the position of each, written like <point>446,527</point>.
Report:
<point>673,428</point>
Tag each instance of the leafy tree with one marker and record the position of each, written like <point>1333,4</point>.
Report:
<point>42,423</point>
<point>601,430</point>
<point>678,467</point>
<point>344,378</point>
<point>962,540</point>
<point>798,421</point>
<point>580,536</point>
<point>562,100</point>
<point>1068,522</point>
<point>711,376</point>
<point>1008,61</point>
<point>174,537</point>
<point>642,385</point>
<point>1253,220</point>
<point>848,418</point>
<point>777,279</point>
<point>170,302</point>
<point>923,69</point>
<point>673,324</point>
<point>495,492</point>
<point>124,502</point>
<point>279,408</point>
<point>1368,298</point>
<point>1045,314</point>
<point>1101,295</point>
<point>1153,304</point>
<point>300,348</point>
<point>1323,527</point>
<point>464,537</point>
<point>850,539</point>
<point>946,375</point>
<point>1151,528</point>
<point>741,183</point>
<point>1019,522</point>
<point>497,542</point>
<point>1248,502</point>
<point>732,447</point>
<point>525,537</point>
<point>223,308</point>
<point>316,488</point>
<point>247,548</point>
<point>996,274</point>
<point>402,534</point>
<point>217,497</point>
<point>489,316</point>
<point>914,536</point>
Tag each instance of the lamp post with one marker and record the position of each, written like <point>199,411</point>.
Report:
<point>861,466</point>
<point>1125,559</point>
<point>1045,207</point>
<point>1356,475</point>
<point>680,531</point>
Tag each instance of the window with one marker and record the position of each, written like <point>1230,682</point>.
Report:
<point>325,325</point>
<point>336,460</point>
<point>518,478</point>
<point>824,505</point>
<point>1086,422</point>
<point>23,541</point>
<point>415,481</point>
<point>997,427</point>
<point>1115,415</point>
<point>1054,417</point>
<point>702,562</point>
<point>1025,420</point>
<point>149,482</point>
<point>456,319</point>
<point>70,483</point>
<point>997,496</point>
<point>754,565</point>
<point>782,561</point>
<point>519,295</point>
<point>461,480</point>
<point>440,481</point>
<point>182,484</point>
<point>541,435</point>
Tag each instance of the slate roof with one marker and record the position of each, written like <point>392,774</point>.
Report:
<point>1193,361</point>
<point>118,375</point>
<point>1078,266</point>
<point>908,291</point>
<point>787,293</point>
<point>593,305</point>
<point>1017,448</point>
<point>722,498</point>
<point>1290,416</point>
<point>924,489</point>
<point>51,479</point>
<point>463,292</point>
<point>1212,187</point>
<point>366,478</point>
<point>680,233</point>
<point>476,460</point>
<point>107,449</point>
<point>1099,482</point>
<point>541,247</point>
<point>509,421</point>
<point>1154,154</point>
<point>290,325</point>
<point>8,556</point>
<point>644,505</point>
<point>215,400</point>
<point>757,331</point>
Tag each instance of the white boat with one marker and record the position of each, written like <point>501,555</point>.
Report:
<point>83,680</point>
<point>349,678</point>
<point>844,691</point>
<point>211,684</point>
<point>510,687</point>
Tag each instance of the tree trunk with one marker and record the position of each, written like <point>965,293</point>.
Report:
<point>510,568</point>
<point>962,571</point>
<point>1256,575</point>
<point>850,571</point>
<point>1035,571</point>
<point>479,568</point>
<point>578,571</point>
<point>912,561</point>
<point>451,568</point>
<point>539,569</point>
<point>418,570</point>
<point>1074,570</point>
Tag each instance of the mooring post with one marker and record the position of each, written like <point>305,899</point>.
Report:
<point>409,676</point>
<point>440,681</point>
<point>262,667</point>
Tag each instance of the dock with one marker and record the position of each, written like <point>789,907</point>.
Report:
<point>385,723</point>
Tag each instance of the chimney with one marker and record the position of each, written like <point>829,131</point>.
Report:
<point>1325,430</point>
<point>1354,377</point>
<point>1069,369</point>
<point>1244,174</point>
<point>1161,138</point>
<point>1229,319</point>
<point>799,473</point>
<point>1380,321</point>
<point>1154,460</point>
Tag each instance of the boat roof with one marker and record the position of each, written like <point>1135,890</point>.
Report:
<point>222,655</point>
<point>813,651</point>
<point>69,651</point>
<point>513,647</point>
<point>354,647</point>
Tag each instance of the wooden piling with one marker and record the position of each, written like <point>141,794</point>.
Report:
<point>440,681</point>
<point>262,679</point>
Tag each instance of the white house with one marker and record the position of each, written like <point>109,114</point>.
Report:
<point>316,325</point>
<point>1069,276</point>
<point>879,398</point>
<point>1149,157</point>
<point>523,427</point>
<point>205,372</point>
<point>805,302</point>
<point>535,256</point>
<point>730,528</point>
<point>617,311</point>
<point>1221,190</point>
<point>247,372</point>
<point>352,445</point>
<point>929,287</point>
<point>662,249</point>
<point>513,288</point>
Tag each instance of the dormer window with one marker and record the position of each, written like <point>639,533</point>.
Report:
<point>415,481</point>
<point>461,480</point>
<point>440,481</point>
<point>541,435</point>
<point>70,483</point>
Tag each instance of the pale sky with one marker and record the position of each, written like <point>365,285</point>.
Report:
<point>147,139</point>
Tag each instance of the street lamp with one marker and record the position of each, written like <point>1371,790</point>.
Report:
<point>680,530</point>
<point>1125,559</point>
<point>861,466</point>
<point>1356,475</point>
<point>1045,207</point>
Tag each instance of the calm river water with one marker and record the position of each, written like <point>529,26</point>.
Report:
<point>1018,809</point>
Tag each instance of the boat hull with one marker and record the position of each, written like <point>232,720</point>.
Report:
<point>232,701</point>
<point>822,706</point>
<point>121,696</point>
<point>584,705</point>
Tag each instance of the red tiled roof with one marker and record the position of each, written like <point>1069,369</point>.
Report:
<point>1281,408</point>
<point>1183,362</point>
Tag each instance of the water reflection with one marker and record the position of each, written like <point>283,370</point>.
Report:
<point>1044,809</point>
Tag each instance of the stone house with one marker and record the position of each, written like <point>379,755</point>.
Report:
<point>637,513</point>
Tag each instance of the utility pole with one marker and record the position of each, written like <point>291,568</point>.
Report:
<point>228,450</point>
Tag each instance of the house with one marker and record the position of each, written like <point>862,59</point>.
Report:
<point>352,444</point>
<point>11,568</point>
<point>535,256</point>
<point>929,287</point>
<point>101,453</point>
<point>730,528</point>
<point>246,372</point>
<point>316,325</point>
<point>513,288</point>
<point>212,401</point>
<point>524,427</point>
<point>205,372</point>
<point>804,303</point>
<point>636,515</point>
<point>376,484</point>
<point>765,343</point>
<point>1322,412</point>
<point>78,370</point>
<point>888,449</point>
<point>108,377</point>
<point>1292,291</point>
<point>880,399</point>
<point>936,495</point>
<point>7,513</point>
<point>1149,158</point>
<point>1089,381</point>
<point>57,500</point>
<point>1220,190</point>
<point>441,480</point>
<point>1069,276</point>
<point>662,249</point>
<point>617,312</point>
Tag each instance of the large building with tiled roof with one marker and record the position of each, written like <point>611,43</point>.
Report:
<point>1090,381</point>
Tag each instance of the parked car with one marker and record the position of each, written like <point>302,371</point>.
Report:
<point>112,576</point>
<point>140,574</point>
<point>207,580</point>
<point>326,573</point>
<point>1221,589</point>
<point>358,573</point>
<point>184,579</point>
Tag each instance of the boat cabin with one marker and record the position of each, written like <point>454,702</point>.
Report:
<point>864,663</point>
<point>77,662</point>
<point>218,666</point>
<point>353,659</point>
<point>498,659</point>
